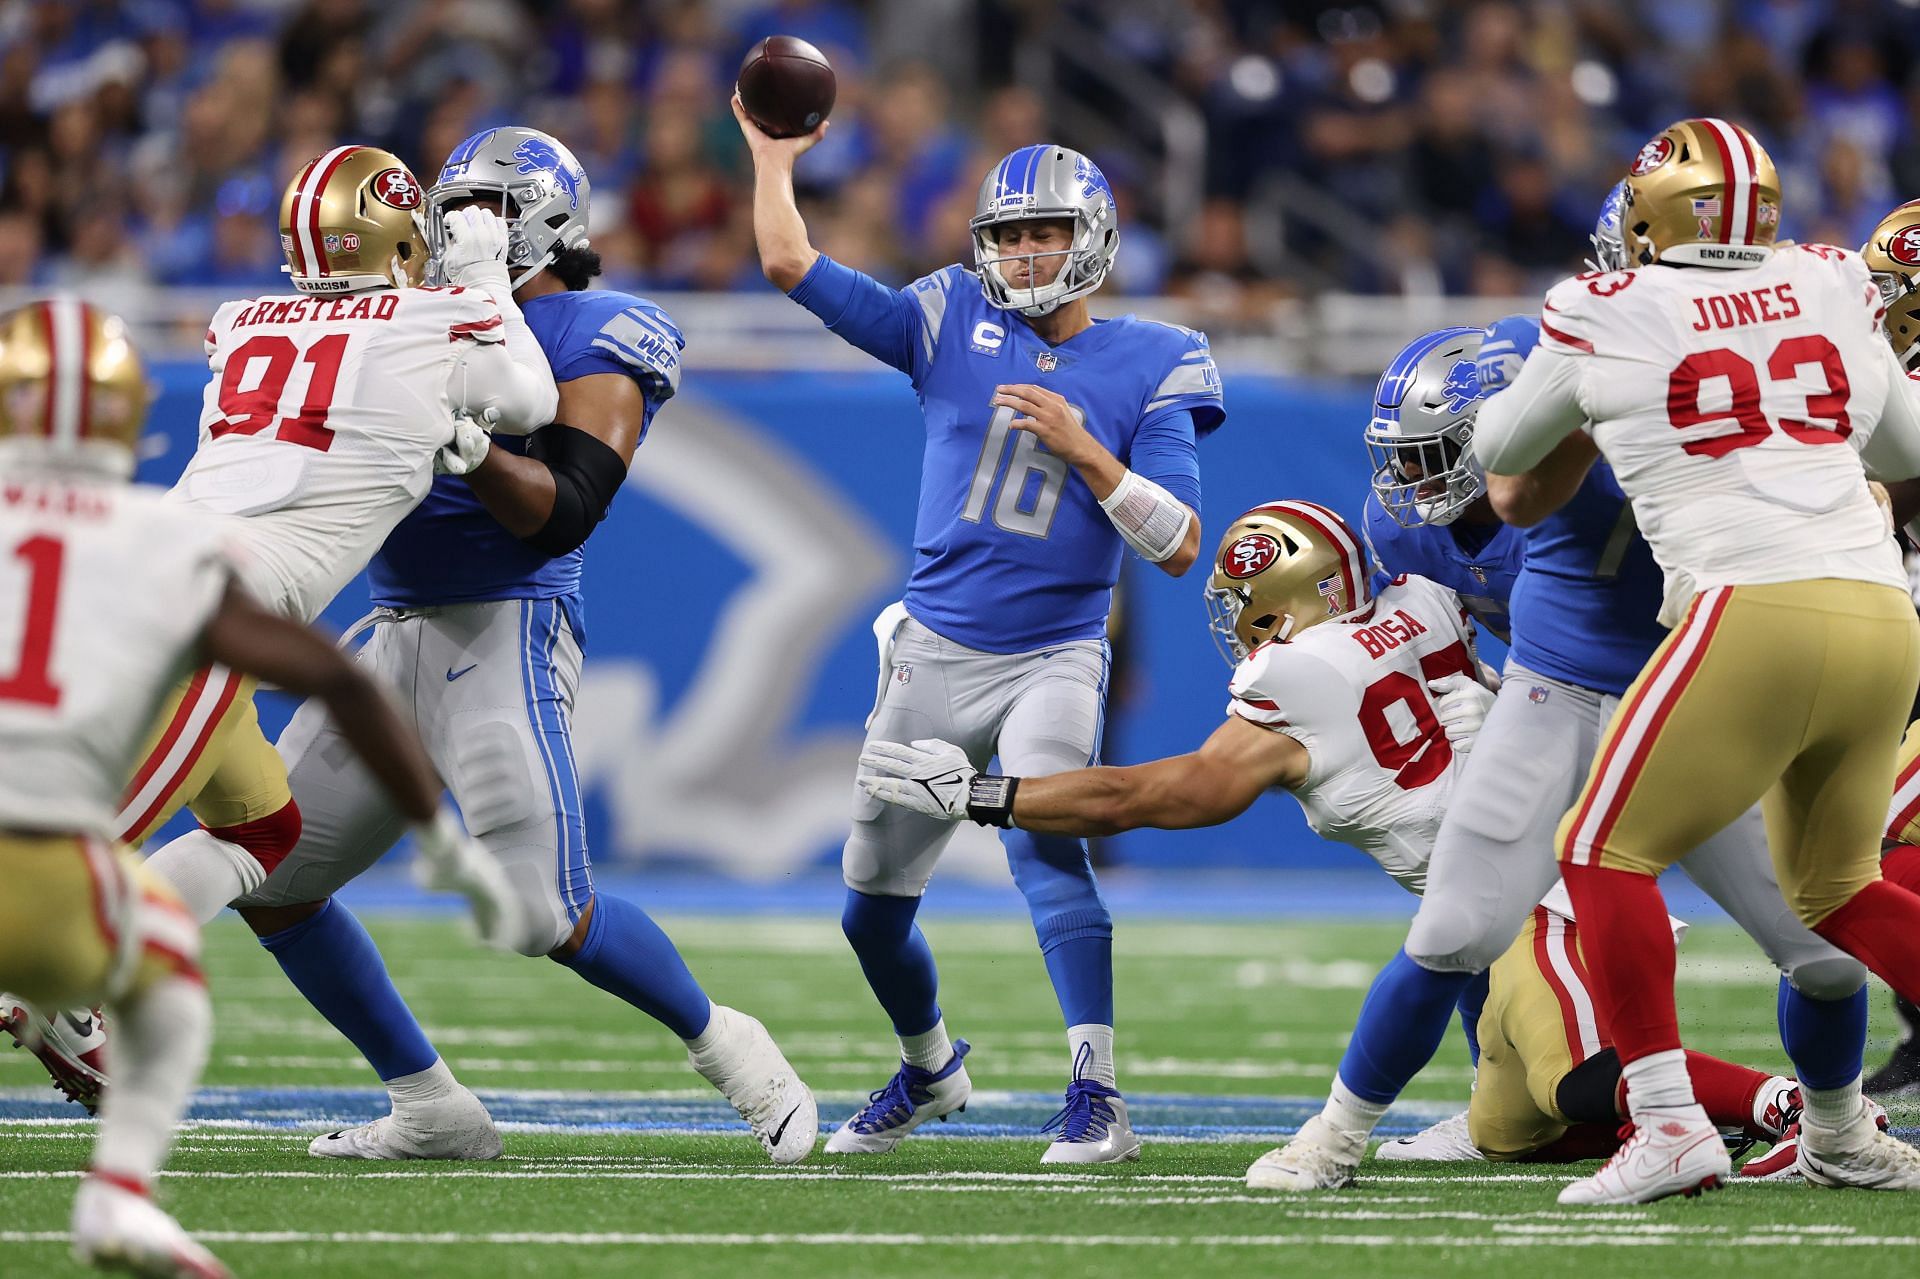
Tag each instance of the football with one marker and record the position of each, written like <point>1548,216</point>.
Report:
<point>786,87</point>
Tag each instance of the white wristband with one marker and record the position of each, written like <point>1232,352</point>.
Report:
<point>1151,520</point>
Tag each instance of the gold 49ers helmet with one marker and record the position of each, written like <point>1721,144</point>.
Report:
<point>1701,193</point>
<point>1281,568</point>
<point>72,391</point>
<point>1892,253</point>
<point>352,220</point>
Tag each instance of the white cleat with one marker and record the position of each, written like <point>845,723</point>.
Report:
<point>1093,1127</point>
<point>1671,1152</point>
<point>456,1126</point>
<point>1320,1157</point>
<point>1782,1162</point>
<point>71,1045</point>
<point>116,1227</point>
<point>751,1072</point>
<point>1864,1156</point>
<point>1444,1142</point>
<point>911,1098</point>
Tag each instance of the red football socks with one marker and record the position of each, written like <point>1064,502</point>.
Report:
<point>1628,946</point>
<point>1880,927</point>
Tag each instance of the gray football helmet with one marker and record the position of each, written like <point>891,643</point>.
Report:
<point>1420,437</point>
<point>548,188</point>
<point>1046,181</point>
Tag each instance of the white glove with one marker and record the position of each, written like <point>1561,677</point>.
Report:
<point>465,451</point>
<point>931,776</point>
<point>1462,706</point>
<point>448,860</point>
<point>476,252</point>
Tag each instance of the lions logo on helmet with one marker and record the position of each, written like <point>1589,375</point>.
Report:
<point>1423,470</point>
<point>1046,182</point>
<point>531,180</point>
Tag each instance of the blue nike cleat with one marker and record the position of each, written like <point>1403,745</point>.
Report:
<point>910,1098</point>
<point>1092,1127</point>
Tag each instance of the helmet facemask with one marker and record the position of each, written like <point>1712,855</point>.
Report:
<point>1045,183</point>
<point>530,180</point>
<point>1429,480</point>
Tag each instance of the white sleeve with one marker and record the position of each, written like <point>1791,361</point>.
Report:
<point>1893,451</point>
<point>1517,428</point>
<point>503,379</point>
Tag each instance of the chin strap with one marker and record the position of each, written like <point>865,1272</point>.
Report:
<point>1151,520</point>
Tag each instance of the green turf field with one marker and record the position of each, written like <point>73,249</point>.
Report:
<point>618,1162</point>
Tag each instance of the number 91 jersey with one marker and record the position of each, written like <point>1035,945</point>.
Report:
<point>1733,405</point>
<point>1355,695</point>
<point>320,423</point>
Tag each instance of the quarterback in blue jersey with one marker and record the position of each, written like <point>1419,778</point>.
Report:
<point>478,615</point>
<point>1428,513</point>
<point>1583,608</point>
<point>1053,443</point>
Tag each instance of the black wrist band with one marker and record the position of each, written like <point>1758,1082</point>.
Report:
<point>990,799</point>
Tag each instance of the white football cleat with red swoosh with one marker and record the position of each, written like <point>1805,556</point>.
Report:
<point>1671,1152</point>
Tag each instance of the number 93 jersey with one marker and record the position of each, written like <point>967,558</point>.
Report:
<point>107,588</point>
<point>1733,405</point>
<point>320,423</point>
<point>1012,552</point>
<point>1355,695</point>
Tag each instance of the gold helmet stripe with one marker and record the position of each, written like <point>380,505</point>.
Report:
<point>307,257</point>
<point>1329,525</point>
<point>1736,161</point>
<point>68,353</point>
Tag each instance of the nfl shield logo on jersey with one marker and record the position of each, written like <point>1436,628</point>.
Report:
<point>903,672</point>
<point>1538,693</point>
<point>1047,361</point>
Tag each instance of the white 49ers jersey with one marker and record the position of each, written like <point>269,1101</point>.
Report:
<point>105,589</point>
<point>1733,405</point>
<point>1355,695</point>
<point>320,423</point>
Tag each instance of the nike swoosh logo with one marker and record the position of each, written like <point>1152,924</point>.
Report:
<point>781,1131</point>
<point>453,675</point>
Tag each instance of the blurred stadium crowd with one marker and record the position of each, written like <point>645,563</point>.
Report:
<point>1377,146</point>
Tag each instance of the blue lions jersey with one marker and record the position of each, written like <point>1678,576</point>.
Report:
<point>1012,551</point>
<point>450,550</point>
<point>1477,562</point>
<point>1585,606</point>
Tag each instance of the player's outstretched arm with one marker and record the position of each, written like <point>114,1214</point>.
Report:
<point>278,650</point>
<point>778,229</point>
<point>1209,786</point>
<point>1525,500</point>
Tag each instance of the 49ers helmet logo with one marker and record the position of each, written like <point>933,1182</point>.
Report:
<point>1652,156</point>
<point>1904,248</point>
<point>396,189</point>
<point>1250,555</point>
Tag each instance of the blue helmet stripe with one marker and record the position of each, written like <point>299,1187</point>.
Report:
<point>1393,383</point>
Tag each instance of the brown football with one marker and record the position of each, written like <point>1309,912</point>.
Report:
<point>786,86</point>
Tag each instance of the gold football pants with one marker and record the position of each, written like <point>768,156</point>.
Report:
<point>1537,1025</point>
<point>206,753</point>
<point>1793,694</point>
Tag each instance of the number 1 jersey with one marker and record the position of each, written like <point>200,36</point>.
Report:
<point>320,423</point>
<point>1733,405</point>
<point>108,588</point>
<point>1012,552</point>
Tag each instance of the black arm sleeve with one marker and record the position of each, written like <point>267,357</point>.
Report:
<point>586,475</point>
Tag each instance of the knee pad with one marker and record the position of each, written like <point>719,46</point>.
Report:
<point>269,839</point>
<point>1832,978</point>
<point>1447,938</point>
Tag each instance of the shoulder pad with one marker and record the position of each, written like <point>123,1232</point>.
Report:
<point>1187,371</point>
<point>642,336</point>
